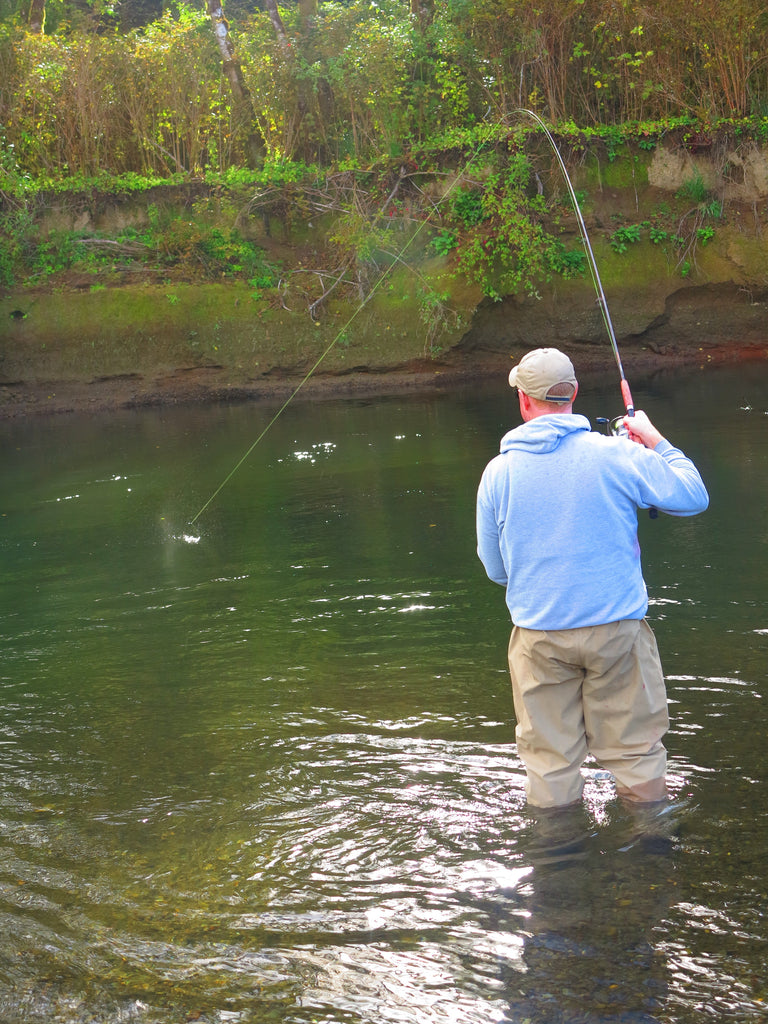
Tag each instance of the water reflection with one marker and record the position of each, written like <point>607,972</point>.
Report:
<point>262,768</point>
<point>591,951</point>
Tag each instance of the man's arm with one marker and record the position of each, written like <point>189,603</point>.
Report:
<point>678,489</point>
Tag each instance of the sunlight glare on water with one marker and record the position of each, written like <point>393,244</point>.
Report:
<point>262,767</point>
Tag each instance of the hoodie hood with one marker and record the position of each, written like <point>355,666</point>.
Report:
<point>544,433</point>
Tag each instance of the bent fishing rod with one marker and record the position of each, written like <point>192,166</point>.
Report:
<point>626,394</point>
<point>614,426</point>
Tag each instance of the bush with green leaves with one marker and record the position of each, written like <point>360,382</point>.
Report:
<point>505,246</point>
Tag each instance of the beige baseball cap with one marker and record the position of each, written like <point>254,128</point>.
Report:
<point>541,370</point>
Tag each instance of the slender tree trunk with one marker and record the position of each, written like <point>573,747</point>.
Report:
<point>242,104</point>
<point>308,16</point>
<point>424,11</point>
<point>36,19</point>
<point>277,24</point>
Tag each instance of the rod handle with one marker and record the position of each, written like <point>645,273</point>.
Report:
<point>626,394</point>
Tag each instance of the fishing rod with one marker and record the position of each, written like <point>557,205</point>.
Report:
<point>615,426</point>
<point>626,394</point>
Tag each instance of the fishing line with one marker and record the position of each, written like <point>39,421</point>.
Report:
<point>398,258</point>
<point>298,388</point>
<point>595,273</point>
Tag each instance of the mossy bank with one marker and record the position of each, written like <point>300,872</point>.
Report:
<point>679,237</point>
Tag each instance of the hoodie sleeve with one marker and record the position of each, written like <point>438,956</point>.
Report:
<point>488,546</point>
<point>674,485</point>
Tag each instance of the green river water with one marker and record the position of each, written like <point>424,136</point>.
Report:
<point>262,767</point>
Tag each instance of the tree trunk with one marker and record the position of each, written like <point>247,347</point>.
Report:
<point>242,104</point>
<point>424,12</point>
<point>36,19</point>
<point>277,24</point>
<point>307,16</point>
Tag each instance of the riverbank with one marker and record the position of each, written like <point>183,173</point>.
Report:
<point>684,276</point>
<point>458,368</point>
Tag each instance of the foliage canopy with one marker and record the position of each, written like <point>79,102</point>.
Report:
<point>130,88</point>
<point>121,97</point>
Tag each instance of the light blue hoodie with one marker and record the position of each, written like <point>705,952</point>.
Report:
<point>557,519</point>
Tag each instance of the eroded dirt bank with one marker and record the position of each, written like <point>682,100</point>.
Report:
<point>459,368</point>
<point>95,346</point>
<point>108,363</point>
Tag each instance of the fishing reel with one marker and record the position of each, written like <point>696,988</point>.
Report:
<point>613,427</point>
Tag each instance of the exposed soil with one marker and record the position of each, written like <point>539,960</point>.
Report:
<point>458,368</point>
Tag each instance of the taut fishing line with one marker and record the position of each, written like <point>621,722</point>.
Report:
<point>289,399</point>
<point>398,258</point>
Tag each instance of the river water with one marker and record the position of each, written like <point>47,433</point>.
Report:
<point>261,767</point>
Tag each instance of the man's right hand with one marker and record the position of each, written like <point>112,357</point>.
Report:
<point>641,430</point>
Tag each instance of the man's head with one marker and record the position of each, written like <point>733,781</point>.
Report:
<point>547,379</point>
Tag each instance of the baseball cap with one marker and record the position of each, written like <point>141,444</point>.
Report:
<point>541,370</point>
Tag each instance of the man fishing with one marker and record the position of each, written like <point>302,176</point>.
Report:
<point>557,527</point>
